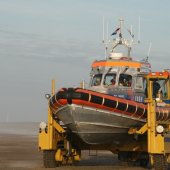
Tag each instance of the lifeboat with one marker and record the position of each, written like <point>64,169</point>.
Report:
<point>99,118</point>
<point>113,102</point>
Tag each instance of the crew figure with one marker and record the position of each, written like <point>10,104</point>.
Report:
<point>112,82</point>
<point>98,81</point>
<point>156,87</point>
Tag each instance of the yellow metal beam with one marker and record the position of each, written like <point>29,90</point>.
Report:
<point>58,127</point>
<point>168,89</point>
<point>141,131</point>
<point>155,141</point>
<point>43,141</point>
<point>48,139</point>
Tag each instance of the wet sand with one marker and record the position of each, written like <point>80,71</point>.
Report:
<point>19,150</point>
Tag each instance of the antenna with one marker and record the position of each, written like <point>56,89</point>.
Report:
<point>103,30</point>
<point>107,38</point>
<point>150,45</point>
<point>131,34</point>
<point>139,31</point>
<point>107,34</point>
<point>121,22</point>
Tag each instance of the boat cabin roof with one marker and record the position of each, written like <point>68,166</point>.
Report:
<point>120,63</point>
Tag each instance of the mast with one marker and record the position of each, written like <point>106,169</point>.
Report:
<point>122,41</point>
<point>105,42</point>
<point>120,34</point>
<point>139,31</point>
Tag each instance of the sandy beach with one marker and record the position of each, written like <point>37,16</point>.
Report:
<point>19,150</point>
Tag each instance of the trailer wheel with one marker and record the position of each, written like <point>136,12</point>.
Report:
<point>160,162</point>
<point>144,162</point>
<point>49,159</point>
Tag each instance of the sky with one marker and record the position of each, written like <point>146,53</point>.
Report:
<point>42,40</point>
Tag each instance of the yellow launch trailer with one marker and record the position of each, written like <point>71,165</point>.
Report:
<point>57,150</point>
<point>157,131</point>
<point>158,146</point>
<point>155,141</point>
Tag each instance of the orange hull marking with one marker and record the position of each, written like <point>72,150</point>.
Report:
<point>112,97</point>
<point>97,106</point>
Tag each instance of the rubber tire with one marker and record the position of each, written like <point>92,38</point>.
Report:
<point>123,156</point>
<point>49,159</point>
<point>160,162</point>
<point>144,163</point>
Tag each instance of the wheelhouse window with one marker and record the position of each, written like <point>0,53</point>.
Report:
<point>96,81</point>
<point>160,89</point>
<point>110,79</point>
<point>163,90</point>
<point>139,83</point>
<point>125,80</point>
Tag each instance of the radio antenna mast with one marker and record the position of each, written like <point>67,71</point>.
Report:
<point>131,33</point>
<point>149,50</point>
<point>107,34</point>
<point>103,30</point>
<point>139,31</point>
<point>105,42</point>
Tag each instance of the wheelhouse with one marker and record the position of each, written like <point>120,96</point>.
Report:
<point>121,78</point>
